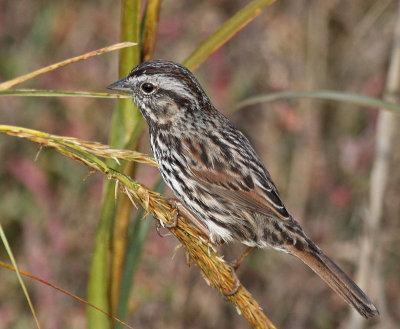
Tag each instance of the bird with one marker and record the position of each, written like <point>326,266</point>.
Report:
<point>217,175</point>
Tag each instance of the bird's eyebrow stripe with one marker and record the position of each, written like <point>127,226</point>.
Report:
<point>170,72</point>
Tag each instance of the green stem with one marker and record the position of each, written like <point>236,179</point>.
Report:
<point>126,121</point>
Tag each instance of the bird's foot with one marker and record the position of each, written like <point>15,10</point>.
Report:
<point>236,286</point>
<point>172,223</point>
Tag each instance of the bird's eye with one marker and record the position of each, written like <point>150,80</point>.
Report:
<point>147,87</point>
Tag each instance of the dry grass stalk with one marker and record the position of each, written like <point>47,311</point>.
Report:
<point>59,93</point>
<point>11,83</point>
<point>34,277</point>
<point>370,260</point>
<point>95,148</point>
<point>215,270</point>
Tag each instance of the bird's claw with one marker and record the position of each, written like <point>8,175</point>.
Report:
<point>174,222</point>
<point>158,226</point>
<point>171,224</point>
<point>235,287</point>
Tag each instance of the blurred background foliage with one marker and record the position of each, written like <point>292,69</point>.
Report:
<point>320,154</point>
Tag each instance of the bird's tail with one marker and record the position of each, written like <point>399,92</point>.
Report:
<point>335,278</point>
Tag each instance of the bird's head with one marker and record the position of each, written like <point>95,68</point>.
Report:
<point>164,91</point>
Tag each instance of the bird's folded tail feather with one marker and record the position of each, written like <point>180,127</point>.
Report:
<point>335,278</point>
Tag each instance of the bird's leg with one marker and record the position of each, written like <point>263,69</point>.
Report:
<point>236,263</point>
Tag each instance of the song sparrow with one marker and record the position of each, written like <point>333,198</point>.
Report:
<point>215,172</point>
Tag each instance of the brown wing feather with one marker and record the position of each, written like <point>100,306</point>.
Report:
<point>253,199</point>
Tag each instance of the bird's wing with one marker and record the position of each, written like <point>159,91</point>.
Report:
<point>245,192</point>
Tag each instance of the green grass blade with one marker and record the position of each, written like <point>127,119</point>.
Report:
<point>320,94</point>
<point>137,238</point>
<point>127,250</point>
<point>21,282</point>
<point>133,123</point>
<point>127,116</point>
<point>225,32</point>
<point>130,31</point>
<point>126,121</point>
<point>98,276</point>
<point>58,93</point>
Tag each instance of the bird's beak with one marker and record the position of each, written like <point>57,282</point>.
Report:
<point>120,85</point>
